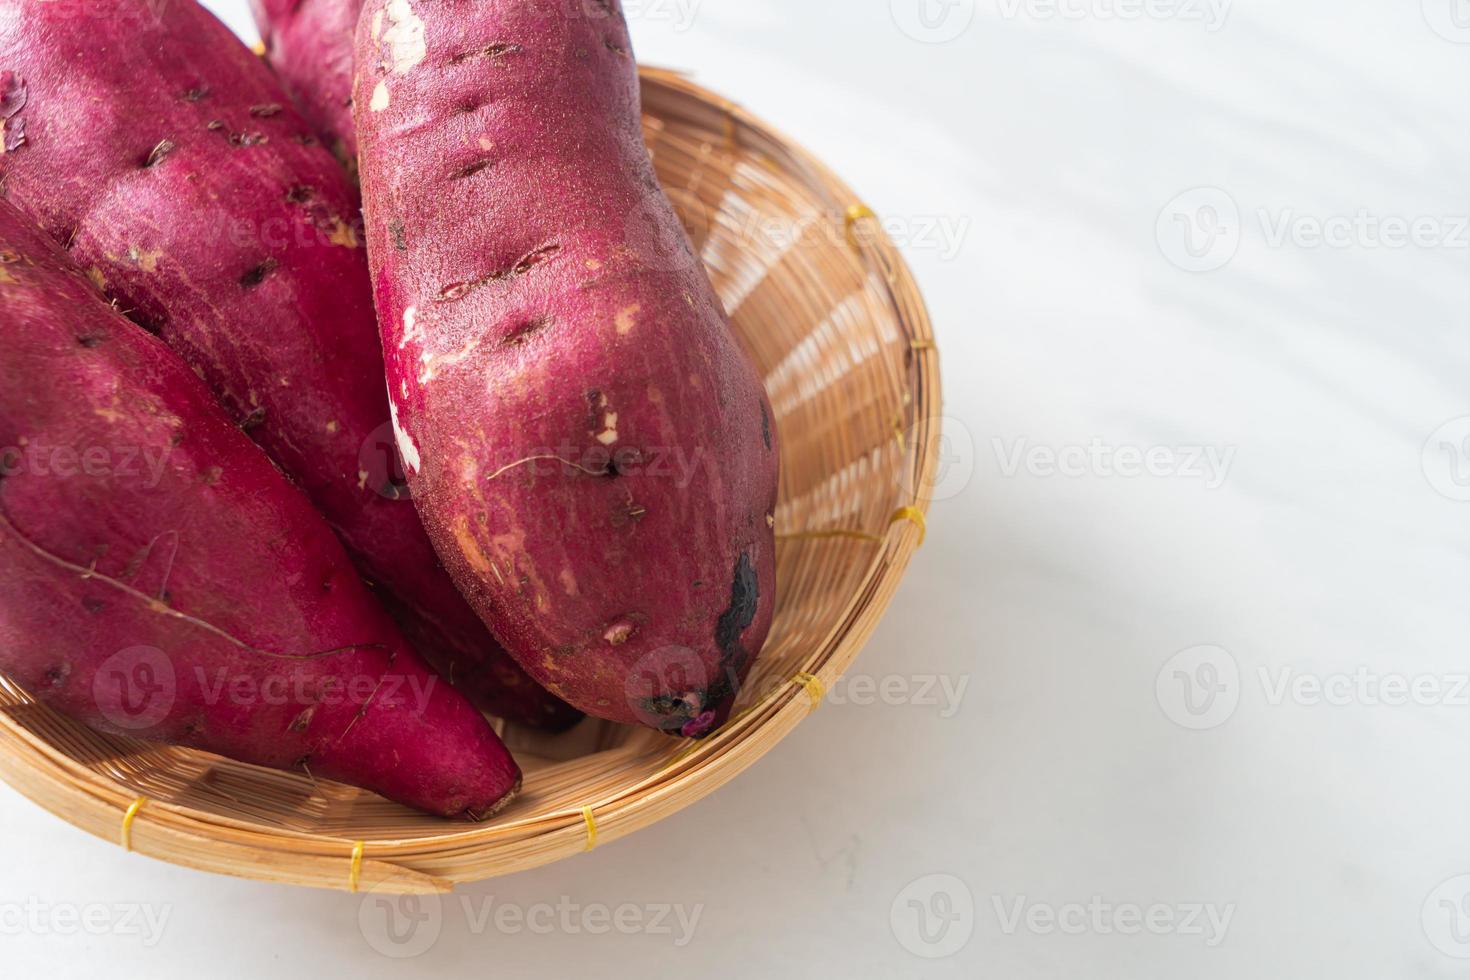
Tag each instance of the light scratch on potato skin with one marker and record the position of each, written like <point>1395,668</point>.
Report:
<point>156,606</point>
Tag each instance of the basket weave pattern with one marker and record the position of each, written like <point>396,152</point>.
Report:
<point>829,312</point>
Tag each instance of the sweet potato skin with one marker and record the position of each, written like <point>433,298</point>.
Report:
<point>160,579</point>
<point>168,160</point>
<point>591,450</point>
<point>309,43</point>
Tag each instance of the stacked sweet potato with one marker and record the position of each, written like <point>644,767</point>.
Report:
<point>466,398</point>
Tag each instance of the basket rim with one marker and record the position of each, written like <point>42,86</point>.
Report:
<point>182,835</point>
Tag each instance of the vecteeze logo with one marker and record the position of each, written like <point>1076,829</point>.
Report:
<point>1199,231</point>
<point>1446,460</point>
<point>1199,688</point>
<point>934,916</point>
<point>401,927</point>
<point>933,21</point>
<point>407,926</point>
<point>1098,917</point>
<point>1450,19</point>
<point>134,689</point>
<point>1211,13</point>
<point>1446,917</point>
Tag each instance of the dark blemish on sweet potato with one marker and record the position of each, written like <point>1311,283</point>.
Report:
<point>257,275</point>
<point>765,426</point>
<point>163,149</point>
<point>305,139</point>
<point>539,257</point>
<point>470,170</point>
<point>254,420</point>
<point>196,94</point>
<point>211,476</point>
<point>300,193</point>
<point>56,676</point>
<point>248,139</point>
<point>13,94</point>
<point>13,98</point>
<point>493,51</point>
<point>265,111</point>
<point>395,228</point>
<point>8,257</point>
<point>236,139</point>
<point>300,724</point>
<point>671,711</point>
<point>459,290</point>
<point>395,489</point>
<point>614,47</point>
<point>525,329</point>
<point>625,459</point>
<point>91,341</point>
<point>93,605</point>
<point>594,408</point>
<point>744,600</point>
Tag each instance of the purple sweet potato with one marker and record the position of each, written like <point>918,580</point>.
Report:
<point>591,450</point>
<point>309,42</point>
<point>159,577</point>
<point>147,139</point>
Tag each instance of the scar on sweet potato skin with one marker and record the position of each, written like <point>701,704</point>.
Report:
<point>675,716</point>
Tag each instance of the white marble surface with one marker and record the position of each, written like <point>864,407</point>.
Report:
<point>1318,540</point>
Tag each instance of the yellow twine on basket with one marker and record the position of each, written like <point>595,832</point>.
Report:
<point>856,213</point>
<point>915,516</point>
<point>591,823</point>
<point>911,514</point>
<point>127,824</point>
<point>815,689</point>
<point>355,875</point>
<point>923,345</point>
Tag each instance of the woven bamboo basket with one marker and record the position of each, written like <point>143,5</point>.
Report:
<point>828,309</point>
